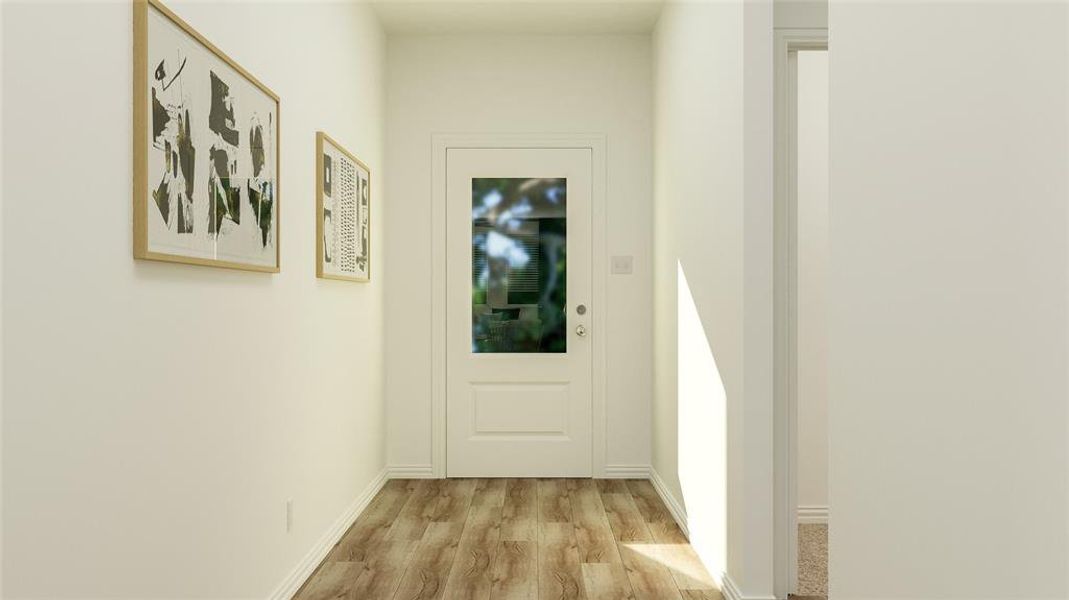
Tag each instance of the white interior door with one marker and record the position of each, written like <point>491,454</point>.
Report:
<point>518,286</point>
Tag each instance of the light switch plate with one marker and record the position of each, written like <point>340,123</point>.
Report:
<point>621,265</point>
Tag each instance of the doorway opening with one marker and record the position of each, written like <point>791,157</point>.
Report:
<point>801,305</point>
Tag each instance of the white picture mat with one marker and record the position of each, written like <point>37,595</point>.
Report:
<point>236,243</point>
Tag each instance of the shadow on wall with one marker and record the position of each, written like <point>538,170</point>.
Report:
<point>702,406</point>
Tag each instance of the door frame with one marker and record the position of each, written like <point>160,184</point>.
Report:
<point>787,44</point>
<point>441,144</point>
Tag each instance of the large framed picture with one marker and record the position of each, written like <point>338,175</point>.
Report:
<point>206,151</point>
<point>343,213</point>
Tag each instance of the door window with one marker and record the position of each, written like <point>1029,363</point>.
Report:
<point>519,265</point>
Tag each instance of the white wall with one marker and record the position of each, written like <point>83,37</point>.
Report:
<point>698,219</point>
<point>812,282</point>
<point>800,14</point>
<point>156,416</point>
<point>518,84</point>
<point>948,321</point>
<point>713,205</point>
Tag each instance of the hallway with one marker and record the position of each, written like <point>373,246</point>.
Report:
<point>534,299</point>
<point>513,539</point>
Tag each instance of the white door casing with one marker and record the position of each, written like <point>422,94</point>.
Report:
<point>518,412</point>
<point>788,42</point>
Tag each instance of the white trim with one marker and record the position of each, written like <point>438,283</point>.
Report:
<point>732,592</point>
<point>318,552</point>
<point>670,501</point>
<point>728,588</point>
<point>440,143</point>
<point>785,412</point>
<point>812,515</point>
<point>409,471</point>
<point>626,472</point>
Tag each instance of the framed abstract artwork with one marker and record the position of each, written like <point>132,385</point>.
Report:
<point>343,217</point>
<point>206,151</point>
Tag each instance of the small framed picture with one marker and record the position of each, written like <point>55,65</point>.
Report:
<point>343,213</point>
<point>206,151</point>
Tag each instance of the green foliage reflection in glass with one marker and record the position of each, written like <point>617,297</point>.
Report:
<point>519,265</point>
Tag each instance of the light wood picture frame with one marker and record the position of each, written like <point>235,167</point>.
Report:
<point>206,151</point>
<point>343,213</point>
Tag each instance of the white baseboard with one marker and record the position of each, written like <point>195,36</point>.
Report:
<point>678,512</point>
<point>731,591</point>
<point>728,588</point>
<point>318,552</point>
<point>812,515</point>
<point>627,472</point>
<point>410,472</point>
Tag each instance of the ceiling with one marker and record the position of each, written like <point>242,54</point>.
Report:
<point>523,16</point>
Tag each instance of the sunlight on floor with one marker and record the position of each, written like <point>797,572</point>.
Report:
<point>702,429</point>
<point>680,560</point>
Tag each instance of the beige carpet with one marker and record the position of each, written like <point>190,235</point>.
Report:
<point>813,560</point>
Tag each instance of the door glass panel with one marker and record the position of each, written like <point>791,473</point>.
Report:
<point>519,265</point>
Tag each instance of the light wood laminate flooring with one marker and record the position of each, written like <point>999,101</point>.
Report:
<point>513,539</point>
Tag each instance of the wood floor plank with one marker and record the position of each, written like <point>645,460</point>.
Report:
<point>418,512</point>
<point>373,525</point>
<point>659,520</point>
<point>606,582</point>
<point>684,565</point>
<point>427,571</point>
<point>711,595</point>
<point>515,571</point>
<point>334,581</point>
<point>593,536</point>
<point>519,514</point>
<point>553,504</point>
<point>611,486</point>
<point>649,580</point>
<point>575,485</point>
<point>454,498</point>
<point>667,532</point>
<point>383,569</point>
<point>489,491</point>
<point>647,501</point>
<point>560,575</point>
<point>624,519</point>
<point>471,577</point>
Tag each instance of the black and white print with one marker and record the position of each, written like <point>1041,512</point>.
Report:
<point>212,154</point>
<point>345,214</point>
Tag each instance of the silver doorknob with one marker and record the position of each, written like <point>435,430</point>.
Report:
<point>580,331</point>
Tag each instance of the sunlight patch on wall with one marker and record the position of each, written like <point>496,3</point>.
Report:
<point>702,405</point>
